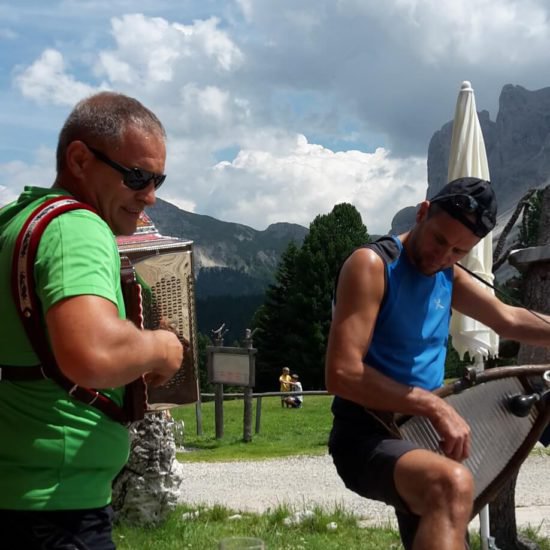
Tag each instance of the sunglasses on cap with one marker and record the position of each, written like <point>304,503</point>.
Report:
<point>136,179</point>
<point>466,204</point>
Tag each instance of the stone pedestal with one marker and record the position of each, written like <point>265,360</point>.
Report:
<point>147,488</point>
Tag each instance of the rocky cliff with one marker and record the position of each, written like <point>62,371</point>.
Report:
<point>517,144</point>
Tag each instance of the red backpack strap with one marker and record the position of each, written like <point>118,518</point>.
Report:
<point>28,304</point>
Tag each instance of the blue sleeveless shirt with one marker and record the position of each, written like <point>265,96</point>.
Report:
<point>409,342</point>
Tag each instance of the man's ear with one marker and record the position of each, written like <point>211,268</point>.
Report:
<point>422,212</point>
<point>77,159</point>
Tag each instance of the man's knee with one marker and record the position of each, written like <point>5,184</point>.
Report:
<point>429,482</point>
<point>450,484</point>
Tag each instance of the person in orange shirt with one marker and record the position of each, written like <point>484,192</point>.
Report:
<point>285,384</point>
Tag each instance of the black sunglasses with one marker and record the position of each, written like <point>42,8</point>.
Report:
<point>485,220</point>
<point>136,179</point>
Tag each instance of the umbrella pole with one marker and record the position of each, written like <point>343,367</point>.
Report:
<point>484,527</point>
<point>487,542</point>
<point>479,365</point>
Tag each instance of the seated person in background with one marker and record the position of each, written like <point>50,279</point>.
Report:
<point>295,401</point>
<point>284,381</point>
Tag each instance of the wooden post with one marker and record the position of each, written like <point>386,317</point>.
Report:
<point>247,423</point>
<point>258,413</point>
<point>218,410</point>
<point>198,416</point>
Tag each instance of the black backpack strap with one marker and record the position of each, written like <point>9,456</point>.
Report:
<point>388,251</point>
<point>29,309</point>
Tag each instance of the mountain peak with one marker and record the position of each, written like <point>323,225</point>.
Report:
<point>226,245</point>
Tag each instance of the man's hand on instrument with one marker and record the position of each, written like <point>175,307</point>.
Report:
<point>453,430</point>
<point>168,324</point>
<point>173,358</point>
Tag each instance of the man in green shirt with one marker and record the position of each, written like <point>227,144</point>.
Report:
<point>58,456</point>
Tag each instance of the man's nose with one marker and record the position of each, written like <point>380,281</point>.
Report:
<point>444,255</point>
<point>148,195</point>
<point>449,256</point>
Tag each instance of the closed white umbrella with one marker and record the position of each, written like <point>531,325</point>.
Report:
<point>468,158</point>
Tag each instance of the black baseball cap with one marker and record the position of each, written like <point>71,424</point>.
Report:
<point>471,201</point>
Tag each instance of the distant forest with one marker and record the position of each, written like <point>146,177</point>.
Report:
<point>227,296</point>
<point>235,311</point>
<point>224,281</point>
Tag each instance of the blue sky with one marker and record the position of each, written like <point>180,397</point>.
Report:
<point>275,109</point>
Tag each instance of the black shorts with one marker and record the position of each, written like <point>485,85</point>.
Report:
<point>57,530</point>
<point>366,461</point>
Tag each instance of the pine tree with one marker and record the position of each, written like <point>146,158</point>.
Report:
<point>295,319</point>
<point>331,238</point>
<point>272,320</point>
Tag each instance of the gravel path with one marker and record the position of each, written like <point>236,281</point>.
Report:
<point>259,486</point>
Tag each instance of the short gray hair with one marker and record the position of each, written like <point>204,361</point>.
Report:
<point>105,117</point>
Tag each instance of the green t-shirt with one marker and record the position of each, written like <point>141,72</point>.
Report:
<point>56,453</point>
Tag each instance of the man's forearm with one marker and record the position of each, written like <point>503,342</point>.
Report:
<point>370,388</point>
<point>123,355</point>
<point>528,327</point>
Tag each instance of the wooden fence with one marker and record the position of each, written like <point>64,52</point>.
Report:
<point>247,396</point>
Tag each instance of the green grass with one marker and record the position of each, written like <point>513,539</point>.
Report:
<point>212,524</point>
<point>541,451</point>
<point>283,432</point>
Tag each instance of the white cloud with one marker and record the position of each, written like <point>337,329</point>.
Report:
<point>153,51</point>
<point>117,71</point>
<point>17,174</point>
<point>263,187</point>
<point>215,43</point>
<point>47,82</point>
<point>246,7</point>
<point>211,101</point>
<point>473,31</point>
<point>184,204</point>
<point>6,195</point>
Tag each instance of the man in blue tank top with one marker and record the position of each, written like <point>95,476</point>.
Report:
<point>386,352</point>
